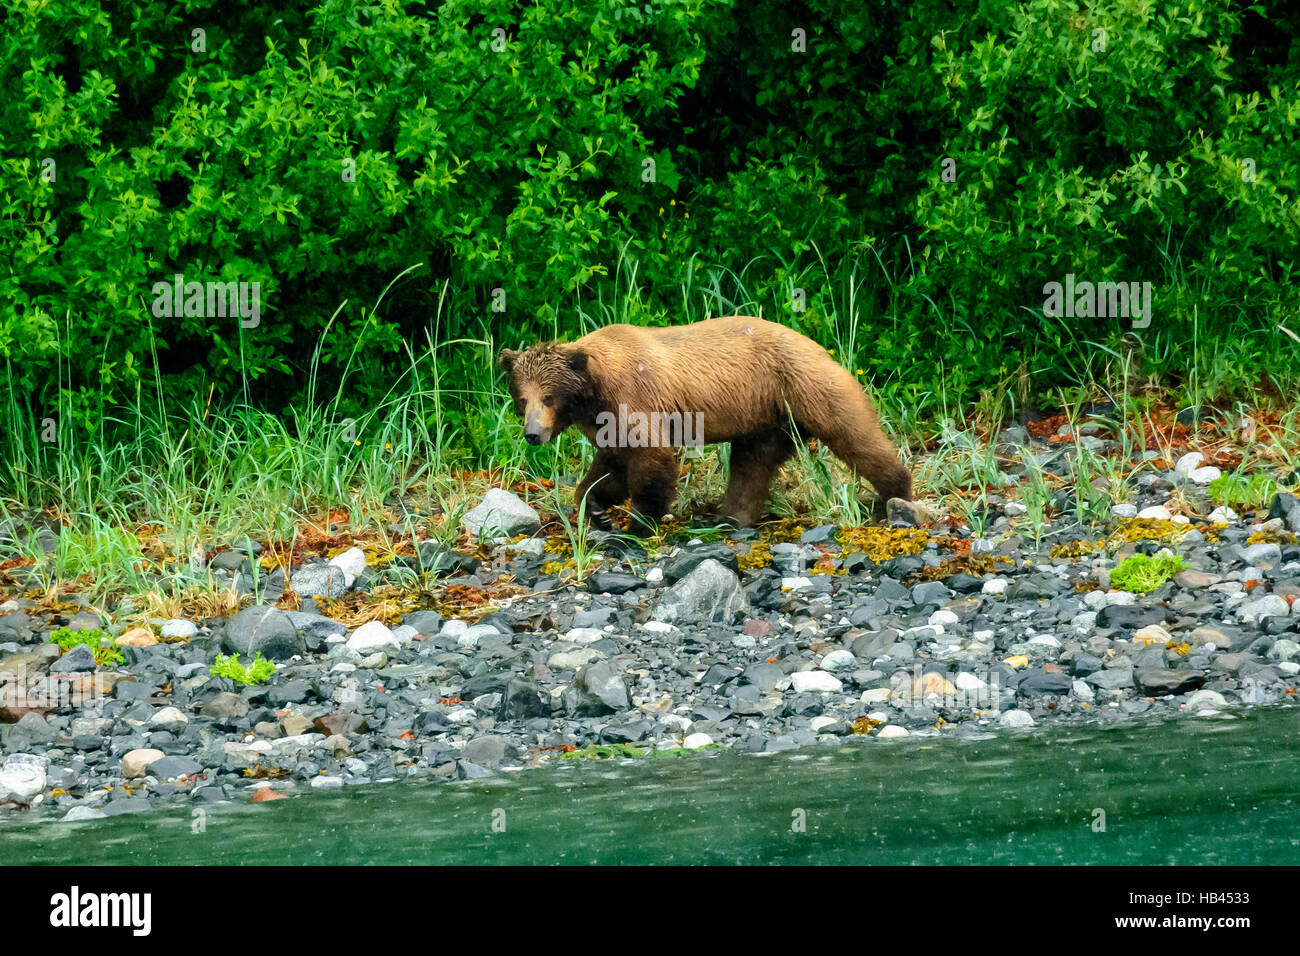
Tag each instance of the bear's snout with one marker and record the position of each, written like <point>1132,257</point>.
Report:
<point>533,438</point>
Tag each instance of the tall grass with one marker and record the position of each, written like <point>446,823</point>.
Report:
<point>205,472</point>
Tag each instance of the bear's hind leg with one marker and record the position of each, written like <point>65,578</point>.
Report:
<point>604,487</point>
<point>843,417</point>
<point>754,461</point>
<point>652,482</point>
<point>874,459</point>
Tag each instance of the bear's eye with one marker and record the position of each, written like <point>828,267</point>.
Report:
<point>548,401</point>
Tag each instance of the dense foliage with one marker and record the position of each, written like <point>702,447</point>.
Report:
<point>897,179</point>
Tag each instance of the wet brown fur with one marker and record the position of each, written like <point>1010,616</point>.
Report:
<point>748,377</point>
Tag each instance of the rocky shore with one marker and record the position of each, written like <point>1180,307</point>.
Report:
<point>754,640</point>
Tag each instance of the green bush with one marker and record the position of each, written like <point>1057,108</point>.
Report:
<point>1141,573</point>
<point>102,645</point>
<point>258,671</point>
<point>322,152</point>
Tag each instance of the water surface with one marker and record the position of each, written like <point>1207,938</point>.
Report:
<point>1188,791</point>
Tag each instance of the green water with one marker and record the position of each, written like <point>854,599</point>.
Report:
<point>1187,791</point>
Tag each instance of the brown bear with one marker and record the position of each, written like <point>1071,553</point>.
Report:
<point>736,379</point>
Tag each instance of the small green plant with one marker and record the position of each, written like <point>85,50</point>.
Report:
<point>258,672</point>
<point>1242,491</point>
<point>103,645</point>
<point>1142,573</point>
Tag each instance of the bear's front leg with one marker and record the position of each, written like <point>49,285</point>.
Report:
<point>604,487</point>
<point>652,482</point>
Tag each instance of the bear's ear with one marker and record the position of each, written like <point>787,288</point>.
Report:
<point>578,360</point>
<point>507,359</point>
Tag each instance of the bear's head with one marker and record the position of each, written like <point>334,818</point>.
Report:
<point>552,388</point>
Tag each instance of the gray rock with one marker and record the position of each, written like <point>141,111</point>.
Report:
<point>1036,586</point>
<point>1262,556</point>
<point>325,580</point>
<point>1287,507</point>
<point>169,768</point>
<point>763,676</point>
<point>521,701</point>
<point>930,592</point>
<point>709,593</point>
<point>267,630</point>
<point>691,557</point>
<point>80,659</point>
<point>1116,678</point>
<point>316,629</point>
<point>424,622</point>
<point>225,706</point>
<point>613,582</point>
<point>491,751</point>
<point>501,514</point>
<point>598,690</point>
<point>1157,682</point>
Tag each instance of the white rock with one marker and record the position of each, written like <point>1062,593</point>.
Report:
<point>803,681</point>
<point>658,627</point>
<point>995,586</point>
<point>1155,511</point>
<point>1124,510</point>
<point>571,660</point>
<point>135,763</point>
<point>1015,719</point>
<point>1284,649</point>
<point>179,628</point>
<point>696,741</point>
<point>462,715</point>
<point>373,636</point>
<point>1223,514</point>
<point>840,660</point>
<point>25,780</point>
<point>1152,634</point>
<point>453,628</point>
<point>817,723</point>
<point>876,695</point>
<point>474,634</point>
<point>1205,700</point>
<point>892,730</point>
<point>654,577</point>
<point>1124,598</point>
<point>795,584</point>
<point>351,562</point>
<point>1270,605</point>
<point>1189,463</point>
<point>168,716</point>
<point>968,681</point>
<point>326,783</point>
<point>678,722</point>
<point>943,616</point>
<point>405,633</point>
<point>1082,690</point>
<point>77,814</point>
<point>1203,476</point>
<point>584,635</point>
<point>1014,509</point>
<point>1084,621</point>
